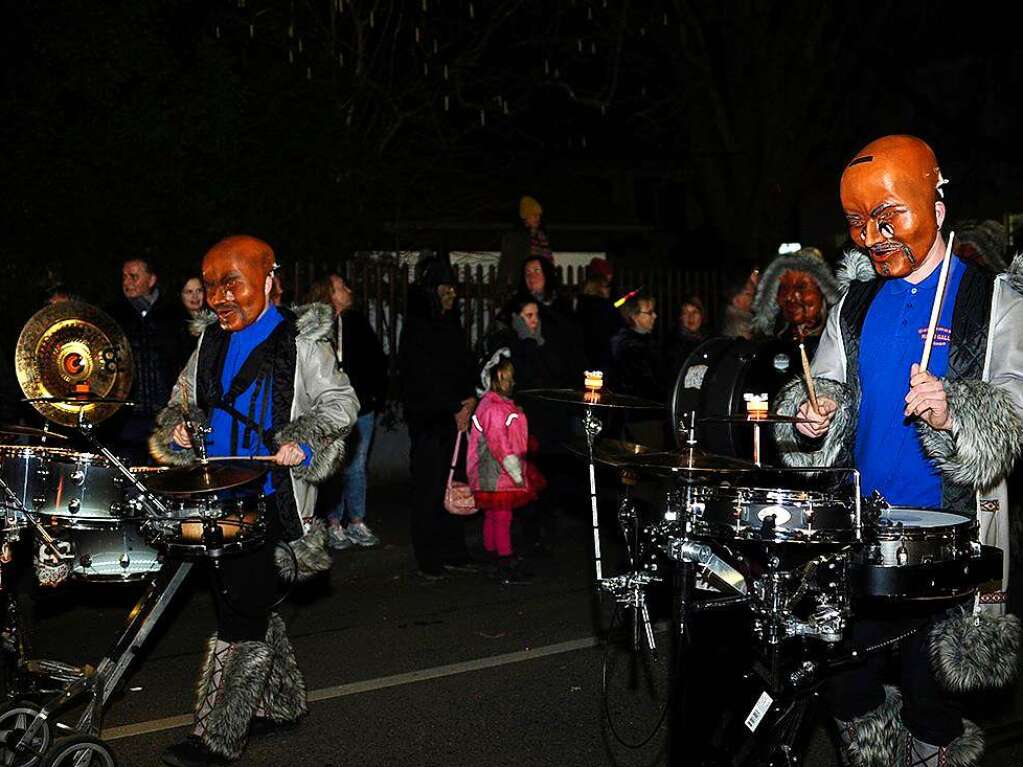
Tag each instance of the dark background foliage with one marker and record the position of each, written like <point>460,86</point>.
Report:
<point>662,130</point>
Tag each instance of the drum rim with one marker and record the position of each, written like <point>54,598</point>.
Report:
<point>46,451</point>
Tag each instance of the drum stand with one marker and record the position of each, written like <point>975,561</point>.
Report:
<point>29,733</point>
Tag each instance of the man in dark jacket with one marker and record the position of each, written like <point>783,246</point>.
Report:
<point>438,378</point>
<point>637,368</point>
<point>151,322</point>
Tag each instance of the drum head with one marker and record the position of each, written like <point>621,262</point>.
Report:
<point>922,517</point>
<point>713,380</point>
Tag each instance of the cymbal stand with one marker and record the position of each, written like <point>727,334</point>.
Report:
<point>592,428</point>
<point>13,501</point>
<point>151,501</point>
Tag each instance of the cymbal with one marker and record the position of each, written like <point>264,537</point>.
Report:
<point>690,459</point>
<point>200,478</point>
<point>601,398</point>
<point>610,452</point>
<point>67,349</point>
<point>744,418</point>
<point>16,430</point>
<point>86,399</point>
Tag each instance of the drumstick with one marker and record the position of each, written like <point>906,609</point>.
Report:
<point>808,376</point>
<point>939,298</point>
<point>240,458</point>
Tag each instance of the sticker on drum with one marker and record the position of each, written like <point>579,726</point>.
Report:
<point>694,376</point>
<point>782,516</point>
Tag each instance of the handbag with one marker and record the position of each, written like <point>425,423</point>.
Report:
<point>458,498</point>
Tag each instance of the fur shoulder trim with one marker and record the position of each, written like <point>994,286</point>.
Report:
<point>854,267</point>
<point>314,322</point>
<point>1014,274</point>
<point>198,324</point>
<point>765,304</point>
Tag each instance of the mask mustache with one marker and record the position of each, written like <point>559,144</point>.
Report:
<point>226,307</point>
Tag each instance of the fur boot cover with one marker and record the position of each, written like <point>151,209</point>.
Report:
<point>284,699</point>
<point>876,738</point>
<point>975,652</point>
<point>765,302</point>
<point>241,687</point>
<point>797,450</point>
<point>964,751</point>
<point>986,436</point>
<point>309,555</point>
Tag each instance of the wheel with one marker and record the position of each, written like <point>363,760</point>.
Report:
<point>15,719</point>
<point>79,751</point>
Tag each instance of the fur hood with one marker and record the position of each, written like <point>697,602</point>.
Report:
<point>314,322</point>
<point>765,303</point>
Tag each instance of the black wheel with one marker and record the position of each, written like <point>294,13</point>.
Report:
<point>15,719</point>
<point>79,751</point>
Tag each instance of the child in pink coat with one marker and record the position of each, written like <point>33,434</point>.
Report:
<point>500,476</point>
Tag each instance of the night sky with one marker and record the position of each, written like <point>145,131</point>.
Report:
<point>698,133</point>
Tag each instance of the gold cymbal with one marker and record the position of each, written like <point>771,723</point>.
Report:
<point>203,478</point>
<point>70,352</point>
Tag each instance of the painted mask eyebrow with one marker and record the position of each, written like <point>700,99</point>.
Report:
<point>861,160</point>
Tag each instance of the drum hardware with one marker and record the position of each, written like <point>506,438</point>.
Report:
<point>43,434</point>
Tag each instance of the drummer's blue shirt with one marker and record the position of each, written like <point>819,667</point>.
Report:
<point>239,347</point>
<point>888,452</point>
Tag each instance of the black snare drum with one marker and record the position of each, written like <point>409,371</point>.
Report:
<point>913,553</point>
<point>772,515</point>
<point>206,526</point>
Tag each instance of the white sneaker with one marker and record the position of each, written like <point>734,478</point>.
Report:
<point>337,538</point>
<point>360,534</point>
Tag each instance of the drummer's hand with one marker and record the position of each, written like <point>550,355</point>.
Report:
<point>289,454</point>
<point>927,399</point>
<point>180,437</point>
<point>817,424</point>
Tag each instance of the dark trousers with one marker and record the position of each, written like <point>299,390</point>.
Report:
<point>928,711</point>
<point>438,538</point>
<point>245,586</point>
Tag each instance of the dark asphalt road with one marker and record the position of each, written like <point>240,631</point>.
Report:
<point>364,638</point>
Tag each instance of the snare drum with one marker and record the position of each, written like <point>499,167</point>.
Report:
<point>772,515</point>
<point>207,526</point>
<point>924,554</point>
<point>68,486</point>
<point>112,552</point>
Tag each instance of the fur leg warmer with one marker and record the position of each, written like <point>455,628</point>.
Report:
<point>875,739</point>
<point>284,699</point>
<point>309,555</point>
<point>232,682</point>
<point>986,437</point>
<point>973,652</point>
<point>964,751</point>
<point>797,450</point>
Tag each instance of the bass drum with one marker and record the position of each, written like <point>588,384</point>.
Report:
<point>712,382</point>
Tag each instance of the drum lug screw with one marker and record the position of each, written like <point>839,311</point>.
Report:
<point>78,477</point>
<point>74,505</point>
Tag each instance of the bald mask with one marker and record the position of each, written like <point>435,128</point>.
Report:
<point>236,274</point>
<point>889,193</point>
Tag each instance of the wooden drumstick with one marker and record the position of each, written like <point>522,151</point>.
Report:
<point>808,377</point>
<point>939,299</point>
<point>263,458</point>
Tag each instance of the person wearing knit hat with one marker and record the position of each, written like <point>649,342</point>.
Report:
<point>793,297</point>
<point>525,242</point>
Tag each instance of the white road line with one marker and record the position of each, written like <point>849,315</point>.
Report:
<point>380,683</point>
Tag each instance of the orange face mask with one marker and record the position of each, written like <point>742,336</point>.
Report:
<point>889,191</point>
<point>236,273</point>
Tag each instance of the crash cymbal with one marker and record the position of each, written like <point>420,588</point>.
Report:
<point>203,478</point>
<point>611,452</point>
<point>16,430</point>
<point>79,400</point>
<point>686,460</point>
<point>69,351</point>
<point>600,398</point>
<point>744,418</point>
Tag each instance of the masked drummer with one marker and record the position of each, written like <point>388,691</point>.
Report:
<point>944,438</point>
<point>264,380</point>
<point>793,297</point>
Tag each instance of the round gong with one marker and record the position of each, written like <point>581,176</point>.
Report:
<point>73,349</point>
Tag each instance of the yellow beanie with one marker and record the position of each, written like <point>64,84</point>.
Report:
<point>528,206</point>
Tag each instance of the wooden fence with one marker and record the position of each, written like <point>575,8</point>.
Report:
<point>381,291</point>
